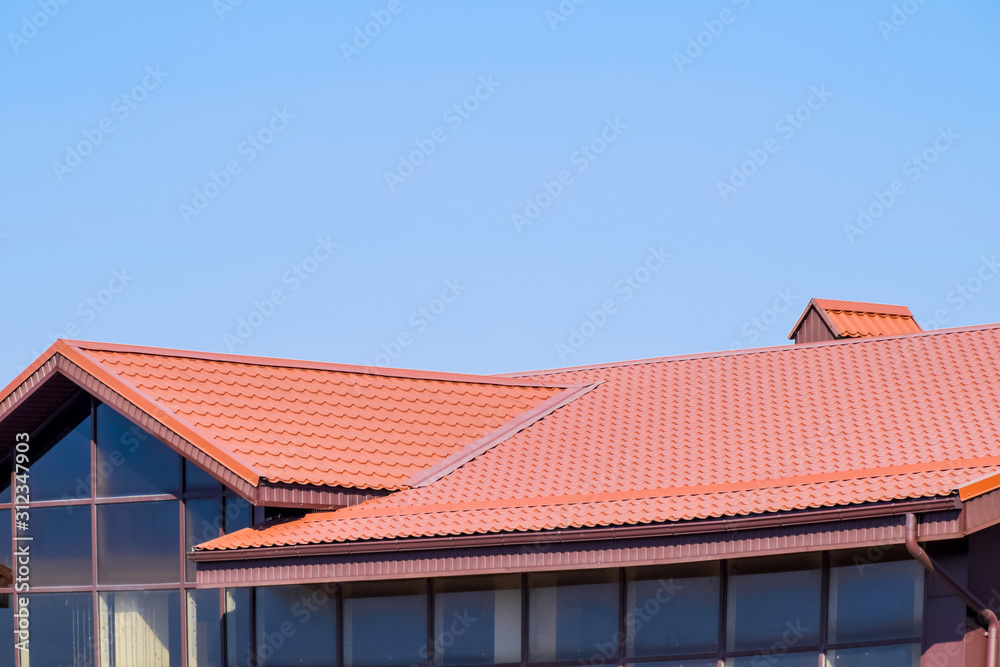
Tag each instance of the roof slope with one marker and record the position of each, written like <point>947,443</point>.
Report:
<point>309,423</point>
<point>713,435</point>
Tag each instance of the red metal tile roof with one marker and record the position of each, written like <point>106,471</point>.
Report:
<point>713,435</point>
<point>311,423</point>
<point>852,319</point>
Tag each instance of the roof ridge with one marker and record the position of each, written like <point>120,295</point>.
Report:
<point>302,364</point>
<point>786,347</point>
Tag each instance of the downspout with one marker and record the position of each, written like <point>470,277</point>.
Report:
<point>963,593</point>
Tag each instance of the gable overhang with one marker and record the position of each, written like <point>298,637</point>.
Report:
<point>63,371</point>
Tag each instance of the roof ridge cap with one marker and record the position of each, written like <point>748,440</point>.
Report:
<point>304,364</point>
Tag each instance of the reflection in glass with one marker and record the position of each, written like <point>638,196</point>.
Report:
<point>198,481</point>
<point>239,630</point>
<point>201,524</point>
<point>677,663</point>
<point>130,461</point>
<point>7,638</point>
<point>673,611</point>
<point>370,608</point>
<point>204,628</point>
<point>573,615</point>
<point>903,655</point>
<point>772,600</point>
<point>62,629</point>
<point>138,543</point>
<point>63,472</point>
<point>60,548</point>
<point>140,628</point>
<point>297,625</point>
<point>875,600</point>
<point>237,514</point>
<point>6,549</point>
<point>477,620</point>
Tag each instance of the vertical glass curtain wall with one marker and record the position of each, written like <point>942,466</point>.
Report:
<point>782,611</point>
<point>112,513</point>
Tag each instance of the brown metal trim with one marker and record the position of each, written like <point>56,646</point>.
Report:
<point>982,511</point>
<point>27,387</point>
<point>542,556</point>
<point>703,526</point>
<point>276,494</point>
<point>494,438</point>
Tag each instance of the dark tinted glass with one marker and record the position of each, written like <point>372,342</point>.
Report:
<point>904,655</point>
<point>6,548</point>
<point>197,480</point>
<point>770,599</point>
<point>806,659</point>
<point>202,523</point>
<point>875,600</point>
<point>131,462</point>
<point>297,625</point>
<point>573,615</point>
<point>5,472</point>
<point>62,629</point>
<point>7,639</point>
<point>204,641</point>
<point>60,548</point>
<point>477,620</point>
<point>142,628</point>
<point>239,629</point>
<point>138,543</point>
<point>369,609</point>
<point>677,663</point>
<point>237,514</point>
<point>673,611</point>
<point>63,470</point>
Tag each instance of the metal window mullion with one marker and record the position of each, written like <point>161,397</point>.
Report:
<point>95,596</point>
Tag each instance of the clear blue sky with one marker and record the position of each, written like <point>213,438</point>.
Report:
<point>833,100</point>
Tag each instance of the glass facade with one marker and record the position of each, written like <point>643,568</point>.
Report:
<point>108,524</point>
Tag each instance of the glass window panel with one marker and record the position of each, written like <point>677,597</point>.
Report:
<point>201,524</point>
<point>239,630</point>
<point>198,481</point>
<point>138,543</point>
<point>297,625</point>
<point>140,628</point>
<point>6,549</point>
<point>7,638</point>
<point>237,514</point>
<point>62,630</point>
<point>371,608</point>
<point>573,615</point>
<point>5,480</point>
<point>60,459</point>
<point>130,461</point>
<point>673,611</point>
<point>204,628</point>
<point>808,659</point>
<point>875,600</point>
<point>477,620</point>
<point>774,601</point>
<point>902,655</point>
<point>60,546</point>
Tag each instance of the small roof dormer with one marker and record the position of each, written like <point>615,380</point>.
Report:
<point>825,319</point>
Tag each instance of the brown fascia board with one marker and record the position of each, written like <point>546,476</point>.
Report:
<point>701,526</point>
